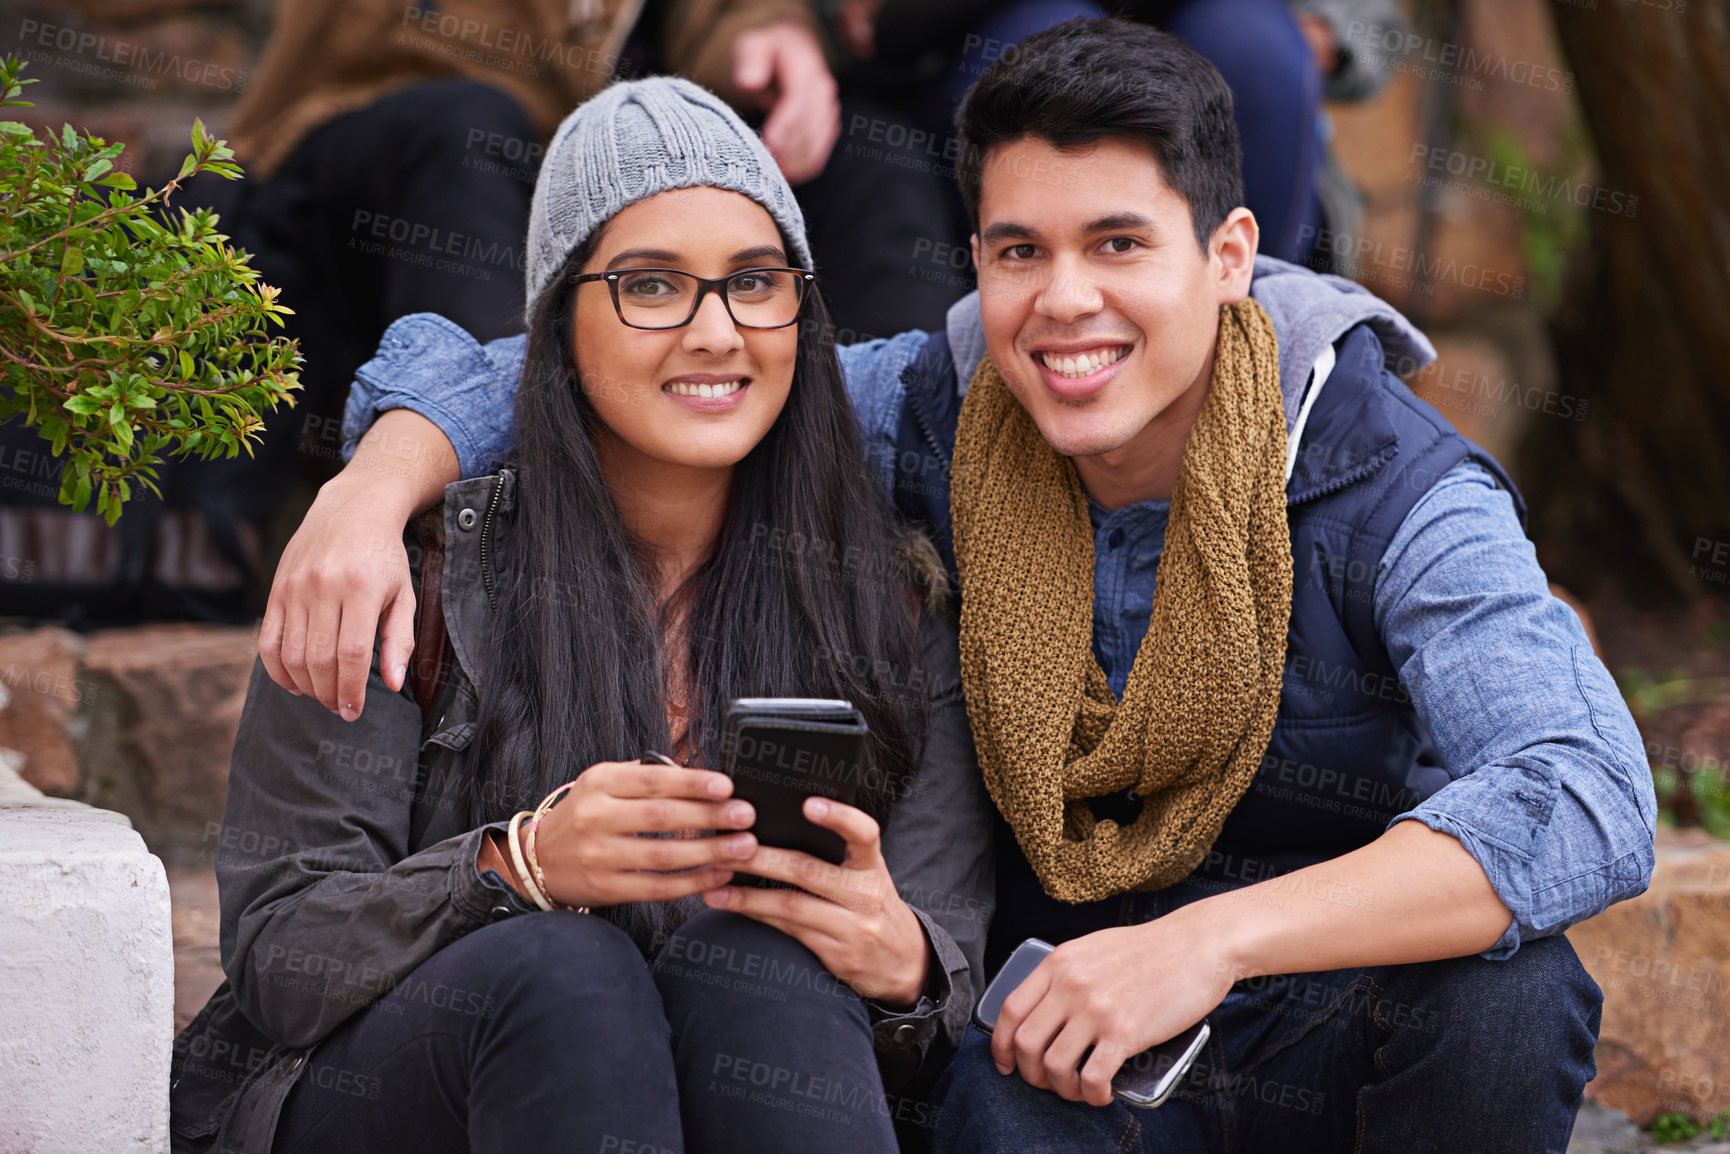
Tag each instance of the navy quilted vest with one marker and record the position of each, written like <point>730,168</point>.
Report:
<point>1347,751</point>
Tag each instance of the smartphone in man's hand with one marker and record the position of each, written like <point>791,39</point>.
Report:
<point>1145,1080</point>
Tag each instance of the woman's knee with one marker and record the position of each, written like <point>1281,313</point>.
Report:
<point>718,959</point>
<point>548,964</point>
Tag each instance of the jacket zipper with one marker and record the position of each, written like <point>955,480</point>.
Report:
<point>919,418</point>
<point>486,527</point>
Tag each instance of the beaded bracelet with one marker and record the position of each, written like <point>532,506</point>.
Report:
<point>536,893</point>
<point>547,803</point>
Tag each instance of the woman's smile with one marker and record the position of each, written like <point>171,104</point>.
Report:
<point>708,392</point>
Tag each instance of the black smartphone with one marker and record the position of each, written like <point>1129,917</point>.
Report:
<point>780,751</point>
<point>1144,1081</point>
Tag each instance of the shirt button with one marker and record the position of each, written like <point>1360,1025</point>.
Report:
<point>466,520</point>
<point>1116,539</point>
<point>499,912</point>
<point>904,1033</point>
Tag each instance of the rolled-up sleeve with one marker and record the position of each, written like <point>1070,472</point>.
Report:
<point>1549,787</point>
<point>434,367</point>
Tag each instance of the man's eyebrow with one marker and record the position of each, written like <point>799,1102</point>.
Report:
<point>1122,222</point>
<point>1006,230</point>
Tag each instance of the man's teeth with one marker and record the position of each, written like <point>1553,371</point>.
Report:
<point>687,389</point>
<point>1084,365</point>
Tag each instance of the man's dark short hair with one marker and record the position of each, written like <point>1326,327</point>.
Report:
<point>1088,80</point>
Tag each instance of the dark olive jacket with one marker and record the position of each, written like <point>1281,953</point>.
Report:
<point>346,858</point>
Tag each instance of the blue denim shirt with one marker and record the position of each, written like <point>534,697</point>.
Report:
<point>1493,663</point>
<point>1500,673</point>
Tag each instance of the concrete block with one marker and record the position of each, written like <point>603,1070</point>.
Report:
<point>86,979</point>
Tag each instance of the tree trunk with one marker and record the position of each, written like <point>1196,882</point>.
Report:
<point>1639,491</point>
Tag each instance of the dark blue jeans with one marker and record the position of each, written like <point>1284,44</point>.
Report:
<point>1462,1055</point>
<point>549,1032</point>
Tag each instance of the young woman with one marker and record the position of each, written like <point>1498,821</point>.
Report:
<point>689,519</point>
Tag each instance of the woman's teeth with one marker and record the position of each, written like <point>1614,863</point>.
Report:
<point>687,389</point>
<point>1084,365</point>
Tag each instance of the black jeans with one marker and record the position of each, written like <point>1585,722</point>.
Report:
<point>549,1032</point>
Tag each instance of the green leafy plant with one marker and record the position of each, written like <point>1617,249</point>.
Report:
<point>1688,795</point>
<point>1674,1127</point>
<point>1720,1126</point>
<point>126,332</point>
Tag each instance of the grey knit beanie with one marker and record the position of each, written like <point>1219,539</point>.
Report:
<point>633,140</point>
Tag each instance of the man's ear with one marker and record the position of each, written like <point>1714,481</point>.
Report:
<point>1231,253</point>
<point>974,242</point>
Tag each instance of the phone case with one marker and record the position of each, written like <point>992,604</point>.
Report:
<point>781,750</point>
<point>1144,1081</point>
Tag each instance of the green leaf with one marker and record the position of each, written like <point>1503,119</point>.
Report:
<point>13,128</point>
<point>97,169</point>
<point>81,404</point>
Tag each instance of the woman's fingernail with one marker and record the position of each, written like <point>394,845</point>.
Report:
<point>744,846</point>
<point>739,814</point>
<point>718,897</point>
<point>717,786</point>
<point>349,712</point>
<point>401,672</point>
<point>819,807</point>
<point>1001,1068</point>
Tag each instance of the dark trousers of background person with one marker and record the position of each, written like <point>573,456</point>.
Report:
<point>416,202</point>
<point>1275,85</point>
<point>1464,1056</point>
<point>549,1032</point>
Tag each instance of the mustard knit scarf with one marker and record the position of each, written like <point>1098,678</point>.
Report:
<point>1199,705</point>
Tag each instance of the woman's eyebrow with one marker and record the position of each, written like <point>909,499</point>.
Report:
<point>758,253</point>
<point>668,259</point>
<point>657,255</point>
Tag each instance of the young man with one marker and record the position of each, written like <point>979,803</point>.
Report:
<point>1335,781</point>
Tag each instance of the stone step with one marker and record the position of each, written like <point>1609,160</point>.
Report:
<point>86,979</point>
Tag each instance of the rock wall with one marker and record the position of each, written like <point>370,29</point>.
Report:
<point>139,720</point>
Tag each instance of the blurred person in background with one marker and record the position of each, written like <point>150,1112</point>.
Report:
<point>390,150</point>
<point>1281,59</point>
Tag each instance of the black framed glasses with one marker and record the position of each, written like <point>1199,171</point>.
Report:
<point>667,298</point>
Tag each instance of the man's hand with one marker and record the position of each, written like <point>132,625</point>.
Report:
<point>1116,992</point>
<point>1412,895</point>
<point>848,915</point>
<point>780,66</point>
<point>345,572</point>
<point>1319,35</point>
<point>856,27</point>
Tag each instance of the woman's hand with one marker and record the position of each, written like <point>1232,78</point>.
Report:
<point>850,917</point>
<point>588,846</point>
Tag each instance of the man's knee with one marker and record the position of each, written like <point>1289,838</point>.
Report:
<point>1255,44</point>
<point>466,121</point>
<point>1541,1000</point>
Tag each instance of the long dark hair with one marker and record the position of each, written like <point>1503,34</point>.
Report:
<point>804,594</point>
